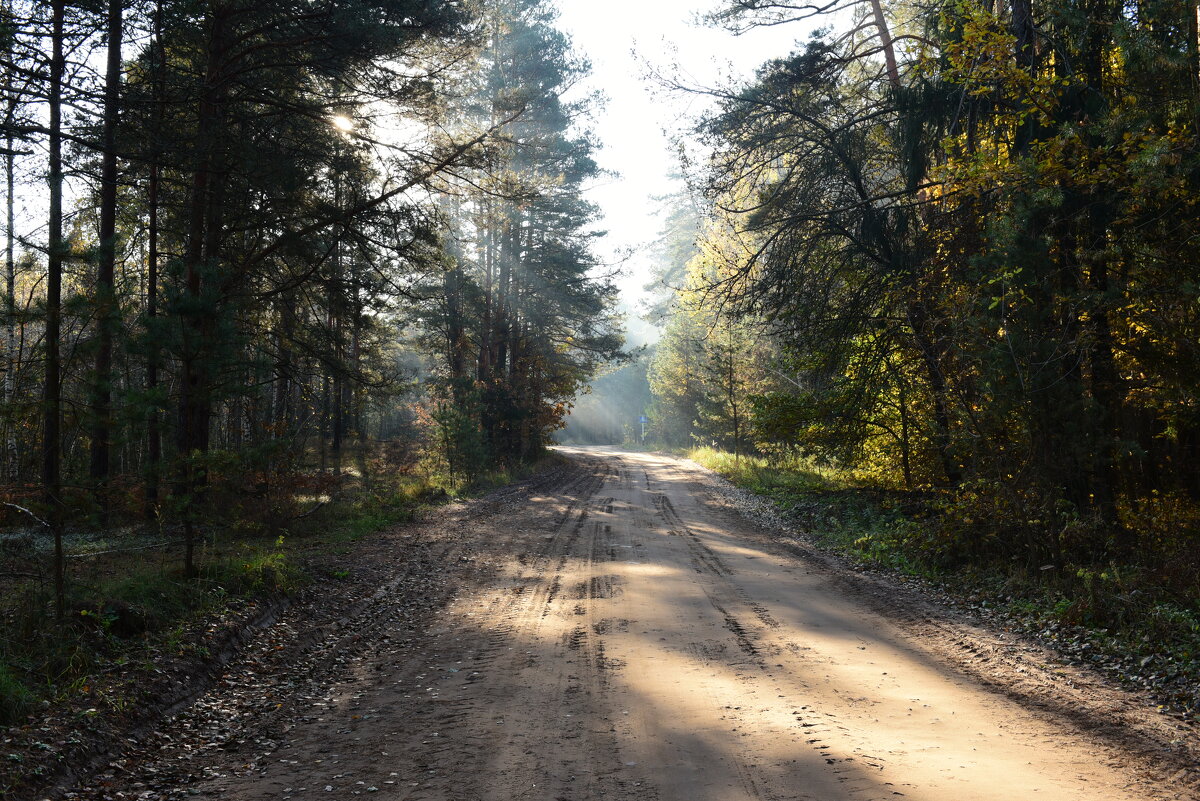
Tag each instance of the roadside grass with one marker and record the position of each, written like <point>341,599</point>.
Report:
<point>784,481</point>
<point>124,608</point>
<point>382,504</point>
<point>389,500</point>
<point>653,446</point>
<point>15,698</point>
<point>501,477</point>
<point>836,513</point>
<point>1116,617</point>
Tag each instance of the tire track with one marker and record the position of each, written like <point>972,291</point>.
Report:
<point>601,634</point>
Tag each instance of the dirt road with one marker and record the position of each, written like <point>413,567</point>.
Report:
<point>616,630</point>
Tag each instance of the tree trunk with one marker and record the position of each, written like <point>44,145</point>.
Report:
<point>281,413</point>
<point>484,372</point>
<point>1094,220</point>
<point>153,430</point>
<point>455,327</point>
<point>931,357</point>
<point>885,43</point>
<point>336,311</point>
<point>52,400</point>
<point>905,444</point>
<point>732,384</point>
<point>455,324</point>
<point>12,457</point>
<point>323,422</point>
<point>12,357</point>
<point>353,411</point>
<point>106,301</point>
<point>195,402</point>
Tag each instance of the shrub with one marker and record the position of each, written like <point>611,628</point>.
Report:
<point>265,570</point>
<point>15,699</point>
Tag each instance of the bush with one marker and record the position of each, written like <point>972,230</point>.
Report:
<point>15,699</point>
<point>461,438</point>
<point>265,571</point>
<point>986,521</point>
<point>140,602</point>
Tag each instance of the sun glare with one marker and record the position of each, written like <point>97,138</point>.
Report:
<point>343,122</point>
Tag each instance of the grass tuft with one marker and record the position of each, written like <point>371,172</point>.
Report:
<point>15,698</point>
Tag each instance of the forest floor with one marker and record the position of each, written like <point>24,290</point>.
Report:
<point>616,628</point>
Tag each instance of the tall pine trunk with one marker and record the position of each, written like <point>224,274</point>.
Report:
<point>51,398</point>
<point>281,404</point>
<point>12,357</point>
<point>455,323</point>
<point>153,418</point>
<point>107,319</point>
<point>885,43</point>
<point>1094,221</point>
<point>200,253</point>
<point>12,456</point>
<point>336,310</point>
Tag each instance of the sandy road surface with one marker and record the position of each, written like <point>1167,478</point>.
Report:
<point>617,631</point>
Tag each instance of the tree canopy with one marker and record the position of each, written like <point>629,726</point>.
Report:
<point>968,236</point>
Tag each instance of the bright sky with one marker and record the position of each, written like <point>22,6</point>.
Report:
<point>621,37</point>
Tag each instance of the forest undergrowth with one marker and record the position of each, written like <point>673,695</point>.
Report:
<point>1119,617</point>
<point>130,605</point>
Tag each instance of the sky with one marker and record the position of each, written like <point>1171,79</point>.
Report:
<point>624,39</point>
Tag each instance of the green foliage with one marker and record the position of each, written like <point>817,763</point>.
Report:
<point>387,504</point>
<point>262,570</point>
<point>778,478</point>
<point>144,599</point>
<point>133,602</point>
<point>825,504</point>
<point>461,436</point>
<point>835,513</point>
<point>608,412</point>
<point>15,699</point>
<point>963,273</point>
<point>518,318</point>
<point>290,298</point>
<point>707,366</point>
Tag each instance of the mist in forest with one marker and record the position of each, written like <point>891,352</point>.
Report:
<point>610,412</point>
<point>610,409</point>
